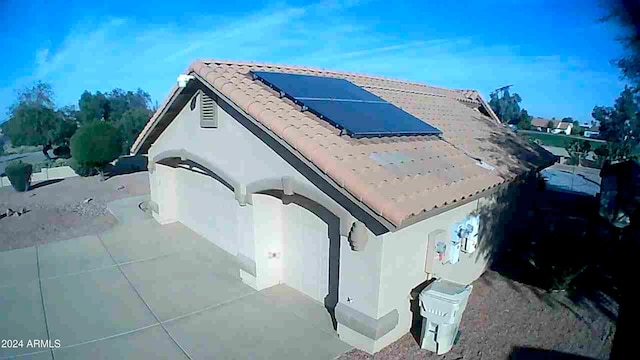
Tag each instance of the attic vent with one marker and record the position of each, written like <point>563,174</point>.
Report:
<point>208,113</point>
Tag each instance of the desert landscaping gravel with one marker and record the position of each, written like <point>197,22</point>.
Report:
<point>65,209</point>
<point>503,315</point>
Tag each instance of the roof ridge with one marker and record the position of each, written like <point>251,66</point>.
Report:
<point>337,72</point>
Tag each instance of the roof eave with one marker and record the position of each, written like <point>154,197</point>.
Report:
<point>156,118</point>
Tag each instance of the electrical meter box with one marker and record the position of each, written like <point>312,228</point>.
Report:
<point>465,233</point>
<point>441,306</point>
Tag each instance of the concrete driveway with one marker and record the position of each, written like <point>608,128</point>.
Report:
<point>145,291</point>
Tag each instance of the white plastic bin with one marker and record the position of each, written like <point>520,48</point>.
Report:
<point>441,306</point>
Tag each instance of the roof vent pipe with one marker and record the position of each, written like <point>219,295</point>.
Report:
<point>183,79</point>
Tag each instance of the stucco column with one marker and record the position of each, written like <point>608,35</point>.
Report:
<point>164,199</point>
<point>359,322</point>
<point>260,254</point>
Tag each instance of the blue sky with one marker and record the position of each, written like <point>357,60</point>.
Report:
<point>555,53</point>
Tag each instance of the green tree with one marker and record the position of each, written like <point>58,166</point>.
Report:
<point>524,121</point>
<point>96,144</point>
<point>579,149</point>
<point>33,119</point>
<point>92,107</point>
<point>620,125</point>
<point>626,14</point>
<point>550,124</point>
<point>130,124</point>
<point>126,110</point>
<point>505,105</point>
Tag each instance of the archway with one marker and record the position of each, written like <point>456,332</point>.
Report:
<point>310,247</point>
<point>205,198</point>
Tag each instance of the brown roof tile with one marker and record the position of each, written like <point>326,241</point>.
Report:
<point>397,177</point>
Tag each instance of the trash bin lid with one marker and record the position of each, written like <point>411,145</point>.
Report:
<point>446,290</point>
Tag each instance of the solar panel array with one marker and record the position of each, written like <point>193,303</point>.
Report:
<point>346,105</point>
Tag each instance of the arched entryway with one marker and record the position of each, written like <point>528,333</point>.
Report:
<point>308,247</point>
<point>204,201</point>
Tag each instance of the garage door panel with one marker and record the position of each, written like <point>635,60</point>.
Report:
<point>306,264</point>
<point>209,208</point>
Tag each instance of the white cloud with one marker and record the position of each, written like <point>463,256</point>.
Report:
<point>124,53</point>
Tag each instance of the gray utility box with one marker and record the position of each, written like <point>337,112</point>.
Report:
<point>441,306</point>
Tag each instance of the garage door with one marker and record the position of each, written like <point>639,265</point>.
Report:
<point>207,207</point>
<point>305,252</point>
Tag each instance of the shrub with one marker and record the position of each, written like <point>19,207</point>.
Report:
<point>62,152</point>
<point>38,166</point>
<point>82,170</point>
<point>96,144</point>
<point>19,175</point>
<point>61,162</point>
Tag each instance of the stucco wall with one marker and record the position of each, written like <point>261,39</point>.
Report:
<point>162,184</point>
<point>268,226</point>
<point>403,266</point>
<point>231,147</point>
<point>209,208</point>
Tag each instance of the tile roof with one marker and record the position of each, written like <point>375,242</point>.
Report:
<point>396,177</point>
<point>542,123</point>
<point>557,151</point>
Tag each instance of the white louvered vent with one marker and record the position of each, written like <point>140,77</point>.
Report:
<point>208,112</point>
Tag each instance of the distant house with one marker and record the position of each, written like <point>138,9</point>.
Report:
<point>561,154</point>
<point>557,126</point>
<point>592,132</point>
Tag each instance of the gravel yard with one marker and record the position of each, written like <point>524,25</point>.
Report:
<point>56,209</point>
<point>503,315</point>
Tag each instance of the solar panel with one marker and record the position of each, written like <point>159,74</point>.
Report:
<point>345,105</point>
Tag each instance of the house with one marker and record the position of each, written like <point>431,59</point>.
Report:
<point>308,186</point>
<point>551,126</point>
<point>593,132</point>
<point>561,153</point>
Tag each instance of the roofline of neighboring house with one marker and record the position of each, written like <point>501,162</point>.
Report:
<point>388,225</point>
<point>489,109</point>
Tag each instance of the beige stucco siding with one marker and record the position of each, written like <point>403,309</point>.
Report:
<point>403,265</point>
<point>162,183</point>
<point>230,146</point>
<point>262,228</point>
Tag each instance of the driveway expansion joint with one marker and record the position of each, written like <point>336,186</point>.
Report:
<point>145,303</point>
<point>44,308</point>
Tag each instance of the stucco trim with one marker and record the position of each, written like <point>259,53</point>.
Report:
<point>186,155</point>
<point>246,264</point>
<point>153,206</point>
<point>290,184</point>
<point>372,328</point>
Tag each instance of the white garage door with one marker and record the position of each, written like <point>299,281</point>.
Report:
<point>305,252</point>
<point>207,207</point>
